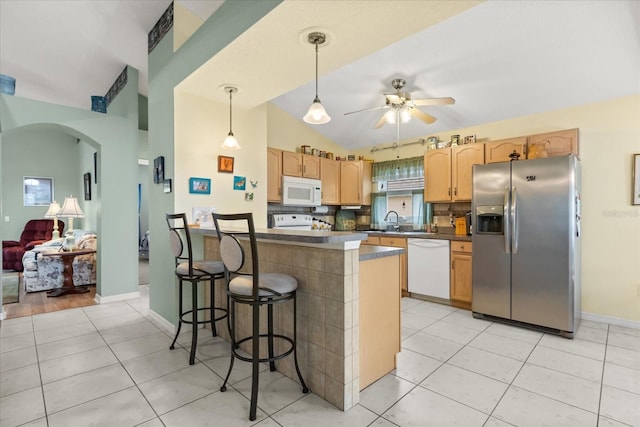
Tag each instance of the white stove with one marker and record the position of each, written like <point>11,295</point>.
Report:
<point>299,222</point>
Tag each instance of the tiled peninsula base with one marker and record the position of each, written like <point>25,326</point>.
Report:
<point>328,330</point>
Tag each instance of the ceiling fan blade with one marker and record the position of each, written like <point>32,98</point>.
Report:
<point>427,118</point>
<point>434,101</point>
<point>367,109</point>
<point>381,122</point>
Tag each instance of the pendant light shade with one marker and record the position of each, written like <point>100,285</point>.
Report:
<point>230,142</point>
<point>316,115</point>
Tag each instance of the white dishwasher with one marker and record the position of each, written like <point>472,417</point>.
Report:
<point>428,267</point>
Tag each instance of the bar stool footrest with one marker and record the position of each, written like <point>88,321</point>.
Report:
<point>264,359</point>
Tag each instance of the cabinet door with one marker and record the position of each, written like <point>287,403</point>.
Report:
<point>311,166</point>
<point>351,183</point>
<point>371,240</point>
<point>291,163</point>
<point>462,158</point>
<point>560,143</point>
<point>437,175</point>
<point>399,242</point>
<point>367,172</point>
<point>330,176</point>
<point>498,151</point>
<point>274,175</point>
<point>461,281</point>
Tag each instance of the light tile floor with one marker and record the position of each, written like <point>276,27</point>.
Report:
<point>109,365</point>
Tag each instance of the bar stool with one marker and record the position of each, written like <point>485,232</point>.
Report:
<point>255,289</point>
<point>188,270</point>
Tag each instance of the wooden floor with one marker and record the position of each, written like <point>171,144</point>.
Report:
<point>38,302</point>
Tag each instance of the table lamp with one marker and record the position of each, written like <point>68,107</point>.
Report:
<point>54,208</point>
<point>70,209</point>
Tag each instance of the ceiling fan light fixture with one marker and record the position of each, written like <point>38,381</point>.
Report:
<point>390,116</point>
<point>316,115</point>
<point>405,115</point>
<point>230,142</point>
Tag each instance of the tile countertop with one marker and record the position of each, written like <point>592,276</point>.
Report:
<point>419,235</point>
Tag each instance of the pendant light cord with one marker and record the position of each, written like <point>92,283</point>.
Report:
<point>316,43</point>
<point>230,112</point>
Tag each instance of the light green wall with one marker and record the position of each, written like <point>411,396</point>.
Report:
<point>116,141</point>
<point>166,70</point>
<point>37,152</point>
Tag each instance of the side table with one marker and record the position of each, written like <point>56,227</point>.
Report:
<point>67,260</point>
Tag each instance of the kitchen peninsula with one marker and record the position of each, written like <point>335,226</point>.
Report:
<point>335,277</point>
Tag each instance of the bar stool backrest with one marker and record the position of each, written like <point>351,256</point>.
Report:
<point>178,228</point>
<point>229,227</point>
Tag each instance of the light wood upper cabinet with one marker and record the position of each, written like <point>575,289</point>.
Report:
<point>355,182</point>
<point>463,157</point>
<point>447,172</point>
<point>437,175</point>
<point>274,175</point>
<point>498,151</point>
<point>297,164</point>
<point>330,177</point>
<point>461,281</point>
<point>559,143</point>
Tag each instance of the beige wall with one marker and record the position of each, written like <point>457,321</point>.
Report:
<point>609,135</point>
<point>200,127</point>
<point>288,133</point>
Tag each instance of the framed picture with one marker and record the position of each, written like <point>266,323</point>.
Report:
<point>166,186</point>
<point>199,186</point>
<point>37,191</point>
<point>158,170</point>
<point>239,183</point>
<point>202,215</point>
<point>95,167</point>
<point>636,179</point>
<point>225,164</point>
<point>87,186</point>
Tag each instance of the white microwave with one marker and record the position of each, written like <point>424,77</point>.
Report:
<point>301,191</point>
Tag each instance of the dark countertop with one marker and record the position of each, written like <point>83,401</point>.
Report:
<point>368,252</point>
<point>419,235</point>
<point>298,236</point>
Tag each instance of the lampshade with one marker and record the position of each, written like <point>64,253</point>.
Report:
<point>70,208</point>
<point>52,212</point>
<point>316,115</point>
<point>230,142</point>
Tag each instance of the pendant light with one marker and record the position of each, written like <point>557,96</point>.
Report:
<point>316,114</point>
<point>230,142</point>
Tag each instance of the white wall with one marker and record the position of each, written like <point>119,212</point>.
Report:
<point>609,136</point>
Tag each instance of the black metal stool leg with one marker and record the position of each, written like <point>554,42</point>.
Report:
<point>305,389</point>
<point>230,318</point>
<point>212,302</point>
<point>255,361</point>
<point>173,344</point>
<point>194,320</point>
<point>272,364</point>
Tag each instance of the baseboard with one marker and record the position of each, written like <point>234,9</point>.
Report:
<point>611,320</point>
<point>161,322</point>
<point>113,298</point>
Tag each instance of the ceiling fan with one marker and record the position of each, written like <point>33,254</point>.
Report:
<point>401,107</point>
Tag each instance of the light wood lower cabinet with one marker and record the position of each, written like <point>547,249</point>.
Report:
<point>461,282</point>
<point>371,240</point>
<point>379,317</point>
<point>399,242</point>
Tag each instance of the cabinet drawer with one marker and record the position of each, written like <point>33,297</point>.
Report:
<point>397,242</point>
<point>372,240</point>
<point>461,247</point>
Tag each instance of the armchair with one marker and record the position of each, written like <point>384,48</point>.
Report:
<point>35,232</point>
<point>44,273</point>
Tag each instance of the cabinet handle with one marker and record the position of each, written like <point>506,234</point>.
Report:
<point>453,264</point>
<point>304,169</point>
<point>455,191</point>
<point>449,192</point>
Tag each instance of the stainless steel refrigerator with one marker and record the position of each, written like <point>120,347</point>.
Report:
<point>526,242</point>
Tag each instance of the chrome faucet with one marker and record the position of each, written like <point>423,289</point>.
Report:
<point>386,217</point>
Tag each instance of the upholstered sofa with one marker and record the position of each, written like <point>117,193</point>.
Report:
<point>35,232</point>
<point>44,273</point>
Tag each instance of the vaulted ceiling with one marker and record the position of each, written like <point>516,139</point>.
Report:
<point>497,59</point>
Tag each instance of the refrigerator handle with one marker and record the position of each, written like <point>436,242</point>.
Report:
<point>514,219</point>
<point>507,222</point>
